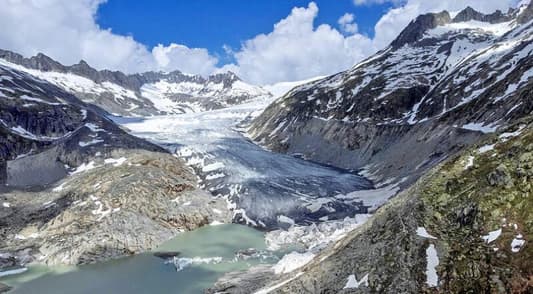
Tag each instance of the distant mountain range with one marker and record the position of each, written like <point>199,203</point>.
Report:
<point>143,94</point>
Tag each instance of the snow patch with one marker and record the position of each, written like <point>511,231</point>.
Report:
<point>116,162</point>
<point>84,167</point>
<point>292,261</point>
<point>480,127</point>
<point>354,283</point>
<point>486,148</point>
<point>422,232</point>
<point>492,236</point>
<point>517,244</point>
<point>432,279</point>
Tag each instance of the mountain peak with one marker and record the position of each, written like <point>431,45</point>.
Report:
<point>416,29</point>
<point>45,63</point>
<point>469,14</point>
<point>527,14</point>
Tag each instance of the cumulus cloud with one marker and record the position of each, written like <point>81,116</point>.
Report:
<point>347,23</point>
<point>66,30</point>
<point>296,50</point>
<point>195,60</point>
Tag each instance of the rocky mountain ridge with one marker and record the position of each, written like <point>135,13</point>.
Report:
<point>441,85</point>
<point>141,94</point>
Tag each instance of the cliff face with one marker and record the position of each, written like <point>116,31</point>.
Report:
<point>36,116</point>
<point>439,87</point>
<point>466,227</point>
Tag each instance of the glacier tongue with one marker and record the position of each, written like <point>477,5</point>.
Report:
<point>265,189</point>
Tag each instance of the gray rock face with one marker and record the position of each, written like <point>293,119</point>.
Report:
<point>402,111</point>
<point>43,128</point>
<point>416,29</point>
<point>527,15</point>
<point>128,203</point>
<point>243,282</point>
<point>469,14</point>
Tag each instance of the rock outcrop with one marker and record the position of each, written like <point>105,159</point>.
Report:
<point>127,203</point>
<point>454,231</point>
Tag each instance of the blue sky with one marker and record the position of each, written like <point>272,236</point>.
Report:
<point>211,24</point>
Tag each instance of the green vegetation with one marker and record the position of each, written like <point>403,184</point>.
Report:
<point>476,193</point>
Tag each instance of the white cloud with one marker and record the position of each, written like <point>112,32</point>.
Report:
<point>196,60</point>
<point>296,50</point>
<point>347,23</point>
<point>66,30</point>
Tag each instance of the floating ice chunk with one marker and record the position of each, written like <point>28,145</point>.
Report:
<point>13,272</point>
<point>422,232</point>
<point>183,262</point>
<point>354,283</point>
<point>491,236</point>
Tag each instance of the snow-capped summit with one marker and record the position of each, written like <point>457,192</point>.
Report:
<point>443,82</point>
<point>148,93</point>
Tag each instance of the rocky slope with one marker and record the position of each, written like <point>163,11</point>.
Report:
<point>76,188</point>
<point>465,227</point>
<point>46,131</point>
<point>141,94</point>
<point>127,203</point>
<point>438,87</point>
